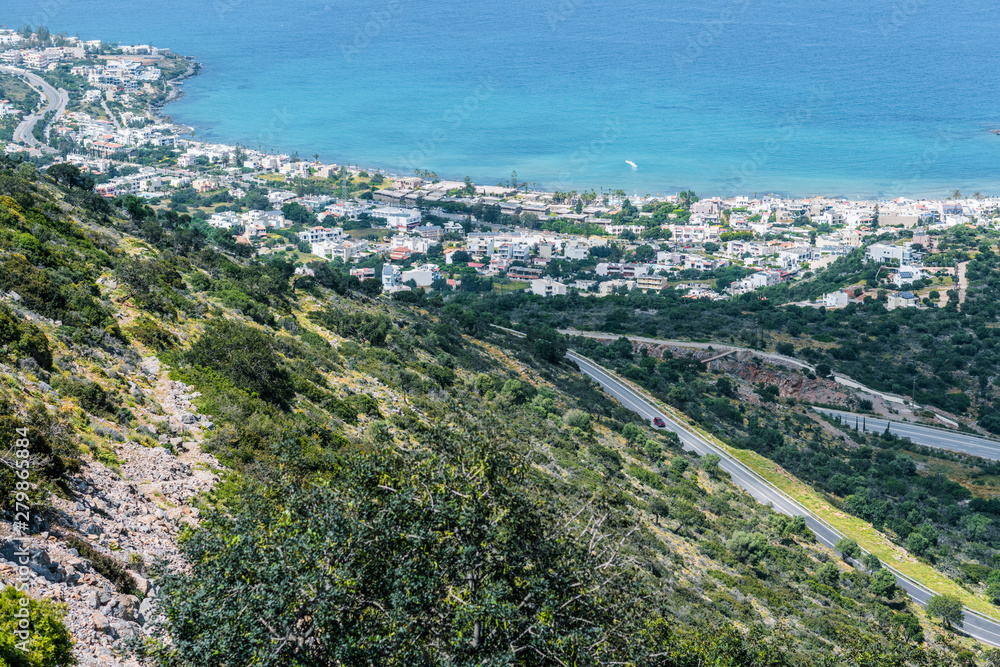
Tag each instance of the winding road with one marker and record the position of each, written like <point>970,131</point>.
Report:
<point>928,436</point>
<point>722,347</point>
<point>56,101</point>
<point>979,627</point>
<point>984,629</point>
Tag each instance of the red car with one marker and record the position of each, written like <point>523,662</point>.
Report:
<point>658,423</point>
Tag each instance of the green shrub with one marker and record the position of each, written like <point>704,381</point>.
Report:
<point>49,642</point>
<point>92,396</point>
<point>577,419</point>
<point>23,340</point>
<point>747,547</point>
<point>357,325</point>
<point>147,332</point>
<point>245,355</point>
<point>107,566</point>
<point>848,547</point>
<point>645,476</point>
<point>607,456</point>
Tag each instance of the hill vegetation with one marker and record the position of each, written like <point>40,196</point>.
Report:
<point>403,485</point>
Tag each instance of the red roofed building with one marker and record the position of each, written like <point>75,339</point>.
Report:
<point>400,254</point>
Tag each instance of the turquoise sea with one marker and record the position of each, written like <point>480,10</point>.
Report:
<point>850,97</point>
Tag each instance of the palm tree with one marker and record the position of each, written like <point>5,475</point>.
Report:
<point>316,158</point>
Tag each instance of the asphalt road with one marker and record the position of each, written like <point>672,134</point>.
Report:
<point>983,629</point>
<point>722,347</point>
<point>56,101</point>
<point>924,435</point>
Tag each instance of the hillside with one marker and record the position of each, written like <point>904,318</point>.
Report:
<point>235,464</point>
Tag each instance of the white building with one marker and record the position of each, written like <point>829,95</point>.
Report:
<point>693,233</point>
<point>398,218</point>
<point>391,277</point>
<point>547,287</point>
<point>836,299</point>
<point>514,251</point>
<point>901,300</point>
<point>879,252</point>
<point>415,244</point>
<point>480,245</point>
<point>422,275</point>
<point>576,250</point>
<point>907,275</point>
<point>321,234</point>
<point>608,287</point>
<point>225,220</point>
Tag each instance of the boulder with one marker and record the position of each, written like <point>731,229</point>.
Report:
<point>101,623</point>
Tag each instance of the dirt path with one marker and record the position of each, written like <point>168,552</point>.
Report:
<point>963,284</point>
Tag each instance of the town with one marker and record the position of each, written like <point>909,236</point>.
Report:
<point>422,232</point>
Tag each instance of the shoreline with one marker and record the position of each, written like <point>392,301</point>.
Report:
<point>158,111</point>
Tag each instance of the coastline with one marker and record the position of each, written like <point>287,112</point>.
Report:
<point>176,92</point>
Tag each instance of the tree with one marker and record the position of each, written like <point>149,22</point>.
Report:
<point>948,608</point>
<point>747,547</point>
<point>882,583</point>
<point>245,356</point>
<point>918,543</point>
<point>848,547</point>
<point>397,560</point>
<point>828,574</point>
<point>70,176</point>
<point>298,214</point>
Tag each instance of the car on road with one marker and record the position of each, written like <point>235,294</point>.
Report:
<point>659,423</point>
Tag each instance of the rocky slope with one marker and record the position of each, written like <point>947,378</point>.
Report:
<point>131,511</point>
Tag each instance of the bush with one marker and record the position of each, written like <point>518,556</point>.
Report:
<point>147,332</point>
<point>23,340</point>
<point>107,566</point>
<point>882,584</point>
<point>786,349</point>
<point>357,325</point>
<point>848,547</point>
<point>245,356</point>
<point>577,419</point>
<point>747,547</point>
<point>948,608</point>
<point>828,574</point>
<point>92,396</point>
<point>49,641</point>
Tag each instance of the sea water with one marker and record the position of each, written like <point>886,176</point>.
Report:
<point>853,98</point>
